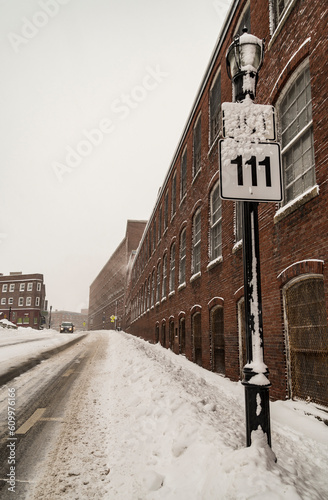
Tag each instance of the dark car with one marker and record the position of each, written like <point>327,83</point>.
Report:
<point>66,327</point>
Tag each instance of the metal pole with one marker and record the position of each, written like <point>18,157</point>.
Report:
<point>255,381</point>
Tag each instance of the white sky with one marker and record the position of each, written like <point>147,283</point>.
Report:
<point>70,67</point>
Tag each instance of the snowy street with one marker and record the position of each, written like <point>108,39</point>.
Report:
<point>140,422</point>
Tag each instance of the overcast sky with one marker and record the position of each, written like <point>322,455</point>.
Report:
<point>94,97</point>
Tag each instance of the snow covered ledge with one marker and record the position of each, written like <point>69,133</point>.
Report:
<point>296,203</point>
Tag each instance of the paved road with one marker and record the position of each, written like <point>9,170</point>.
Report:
<point>38,399</point>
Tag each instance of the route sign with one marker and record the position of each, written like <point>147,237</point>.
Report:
<point>250,172</point>
<point>246,119</point>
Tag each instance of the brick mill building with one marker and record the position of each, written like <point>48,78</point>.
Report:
<point>185,286</point>
<point>107,292</point>
<point>22,299</point>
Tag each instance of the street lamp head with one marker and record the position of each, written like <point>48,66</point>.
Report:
<point>244,59</point>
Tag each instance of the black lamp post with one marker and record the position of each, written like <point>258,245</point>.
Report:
<point>244,59</point>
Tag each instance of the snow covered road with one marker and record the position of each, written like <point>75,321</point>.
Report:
<point>144,423</point>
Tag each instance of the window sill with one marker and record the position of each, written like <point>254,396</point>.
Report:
<point>195,276</point>
<point>183,199</point>
<point>295,204</point>
<point>163,299</point>
<point>214,262</point>
<point>214,143</point>
<point>197,175</point>
<point>237,246</point>
<point>182,286</point>
<point>172,293</point>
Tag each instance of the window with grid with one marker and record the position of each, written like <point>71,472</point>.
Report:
<point>215,107</point>
<point>4,288</point>
<point>297,136</point>
<point>174,195</point>
<point>158,282</point>
<point>183,178</point>
<point>307,329</point>
<point>196,242</point>
<point>215,223</point>
<point>164,276</point>
<point>152,289</point>
<point>160,223</point>
<point>172,268</point>
<point>279,8</point>
<point>197,147</point>
<point>29,287</point>
<point>12,287</point>
<point>166,210</point>
<point>182,259</point>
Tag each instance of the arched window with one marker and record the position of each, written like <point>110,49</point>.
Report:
<point>307,338</point>
<point>295,119</point>
<point>172,268</point>
<point>182,257</point>
<point>196,243</point>
<point>164,276</point>
<point>182,335</point>
<point>197,337</point>
<point>197,146</point>
<point>215,246</point>
<point>217,339</point>
<point>158,283</point>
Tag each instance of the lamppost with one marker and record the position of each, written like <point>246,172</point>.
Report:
<point>244,59</point>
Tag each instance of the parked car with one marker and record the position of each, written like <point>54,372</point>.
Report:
<point>66,327</point>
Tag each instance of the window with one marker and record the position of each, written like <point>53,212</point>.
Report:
<point>154,234</point>
<point>278,10</point>
<point>10,301</point>
<point>166,210</point>
<point>148,292</point>
<point>196,243</point>
<point>197,337</point>
<point>238,221</point>
<point>159,222</point>
<point>158,283</point>
<point>28,301</point>
<point>5,288</point>
<point>19,321</point>
<point>37,301</point>
<point>174,195</point>
<point>172,268</point>
<point>182,335</point>
<point>307,338</point>
<point>38,287</point>
<point>197,147</point>
<point>215,107</point>
<point>22,287</point>
<point>152,289</point>
<point>182,257</point>
<point>217,337</point>
<point>215,224</point>
<point>26,320</point>
<point>21,301</point>
<point>3,301</point>
<point>245,21</point>
<point>183,178</point>
<point>29,287</point>
<point>164,276</point>
<point>297,136</point>
<point>12,287</point>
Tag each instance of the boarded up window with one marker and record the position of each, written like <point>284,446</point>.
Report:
<point>197,336</point>
<point>217,331</point>
<point>308,340</point>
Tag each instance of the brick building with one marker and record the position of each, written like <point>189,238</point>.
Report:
<point>79,320</point>
<point>185,287</point>
<point>22,299</point>
<point>108,289</point>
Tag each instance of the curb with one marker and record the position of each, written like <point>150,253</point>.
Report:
<point>30,363</point>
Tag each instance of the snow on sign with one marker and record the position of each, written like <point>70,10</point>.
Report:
<point>256,122</point>
<point>250,171</point>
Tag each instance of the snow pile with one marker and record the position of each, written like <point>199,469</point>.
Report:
<point>178,432</point>
<point>5,323</point>
<point>152,425</point>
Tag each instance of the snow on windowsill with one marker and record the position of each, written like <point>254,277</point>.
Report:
<point>237,246</point>
<point>296,203</point>
<point>172,293</point>
<point>195,276</point>
<point>214,262</point>
<point>182,286</point>
<point>281,23</point>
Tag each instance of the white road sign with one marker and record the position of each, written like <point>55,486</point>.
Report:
<point>248,120</point>
<point>250,172</point>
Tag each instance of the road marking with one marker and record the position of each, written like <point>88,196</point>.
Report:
<point>31,421</point>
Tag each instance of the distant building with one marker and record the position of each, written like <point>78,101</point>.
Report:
<point>22,299</point>
<point>79,320</point>
<point>106,303</point>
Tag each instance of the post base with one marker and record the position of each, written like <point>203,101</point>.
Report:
<point>257,410</point>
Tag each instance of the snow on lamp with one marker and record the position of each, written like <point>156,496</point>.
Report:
<point>244,60</point>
